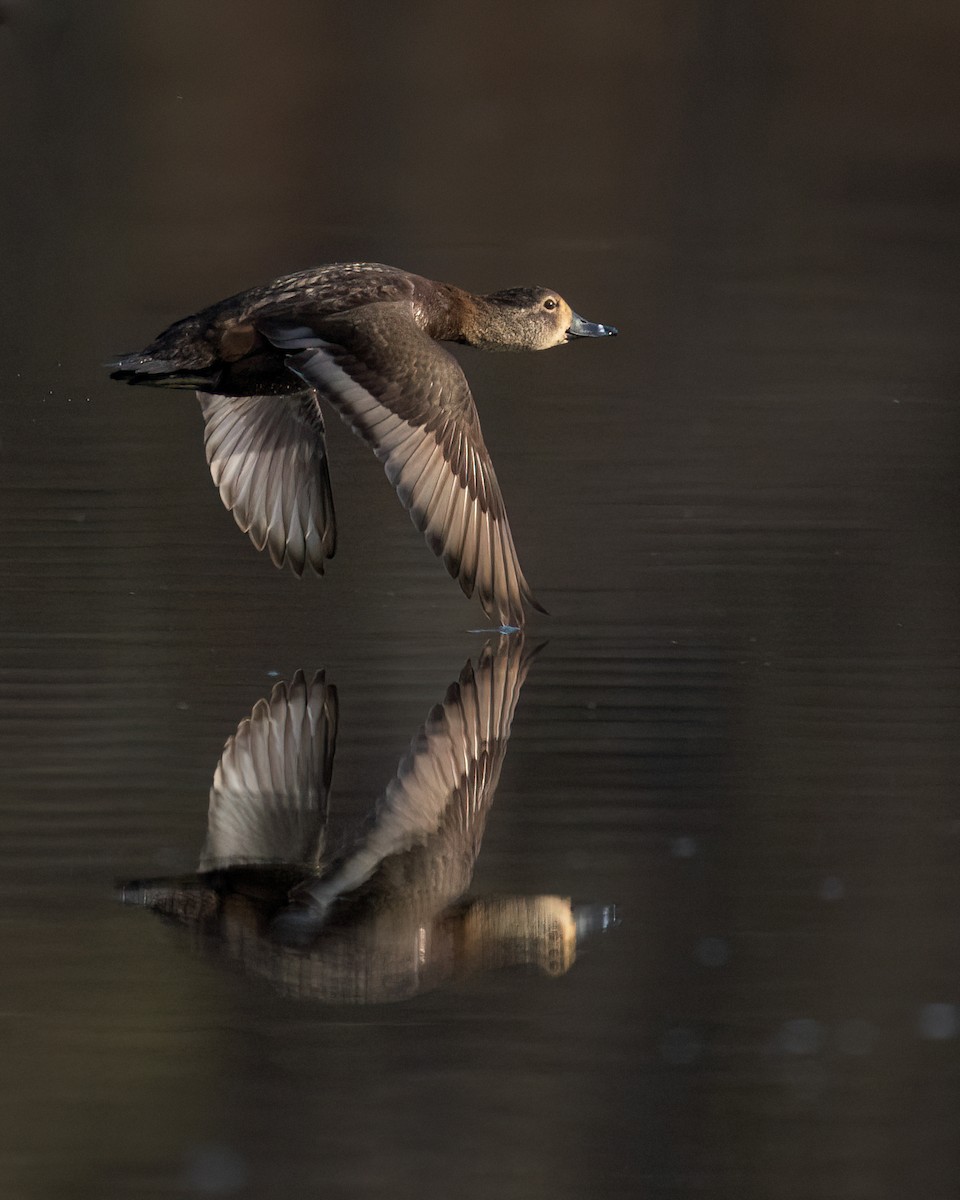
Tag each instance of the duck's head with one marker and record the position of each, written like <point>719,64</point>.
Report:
<point>534,318</point>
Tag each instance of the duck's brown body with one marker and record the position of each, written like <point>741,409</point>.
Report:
<point>364,336</point>
<point>221,348</point>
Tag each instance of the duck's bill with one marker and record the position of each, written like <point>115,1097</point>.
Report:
<point>581,328</point>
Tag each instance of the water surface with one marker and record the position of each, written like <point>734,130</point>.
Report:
<point>742,515</point>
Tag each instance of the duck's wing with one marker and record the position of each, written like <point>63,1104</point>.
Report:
<point>269,799</point>
<point>408,398</point>
<point>268,457</point>
<point>429,820</point>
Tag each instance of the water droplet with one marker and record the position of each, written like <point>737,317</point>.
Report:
<point>216,1170</point>
<point>938,1022</point>
<point>713,952</point>
<point>803,1035</point>
<point>831,888</point>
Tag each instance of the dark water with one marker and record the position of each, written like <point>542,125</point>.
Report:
<point>742,514</point>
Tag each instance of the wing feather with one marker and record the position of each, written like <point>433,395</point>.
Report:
<point>267,456</point>
<point>269,798</point>
<point>442,790</point>
<point>408,398</point>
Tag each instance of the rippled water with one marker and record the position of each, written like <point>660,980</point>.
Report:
<point>742,516</point>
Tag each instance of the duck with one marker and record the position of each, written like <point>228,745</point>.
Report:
<point>365,339</point>
<point>382,912</point>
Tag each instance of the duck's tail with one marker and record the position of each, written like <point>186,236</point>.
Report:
<point>161,372</point>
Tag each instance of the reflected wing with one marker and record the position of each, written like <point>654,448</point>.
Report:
<point>268,457</point>
<point>268,802</point>
<point>408,398</point>
<point>445,783</point>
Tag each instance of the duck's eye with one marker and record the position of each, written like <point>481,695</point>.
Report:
<point>550,304</point>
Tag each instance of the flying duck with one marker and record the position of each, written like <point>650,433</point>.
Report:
<point>366,338</point>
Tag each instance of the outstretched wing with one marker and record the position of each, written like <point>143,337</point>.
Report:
<point>269,799</point>
<point>268,457</point>
<point>408,398</point>
<point>439,798</point>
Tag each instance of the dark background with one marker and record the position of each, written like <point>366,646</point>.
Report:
<point>742,515</point>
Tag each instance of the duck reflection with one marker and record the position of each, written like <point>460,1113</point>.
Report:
<point>384,919</point>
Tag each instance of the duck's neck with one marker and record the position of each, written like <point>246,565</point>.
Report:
<point>454,315</point>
